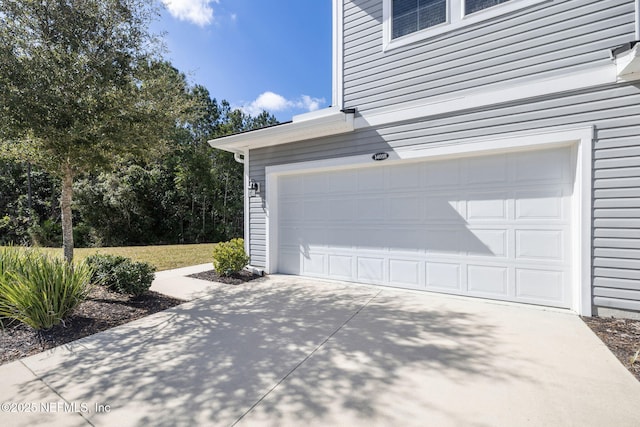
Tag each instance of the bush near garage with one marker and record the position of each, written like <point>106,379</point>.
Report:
<point>229,257</point>
<point>121,274</point>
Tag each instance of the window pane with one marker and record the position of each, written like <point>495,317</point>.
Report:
<point>410,16</point>
<point>471,6</point>
<point>432,13</point>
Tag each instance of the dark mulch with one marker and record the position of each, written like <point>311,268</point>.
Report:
<point>621,336</point>
<point>235,279</point>
<point>102,310</point>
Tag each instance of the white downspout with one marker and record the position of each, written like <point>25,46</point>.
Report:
<point>245,161</point>
<point>243,158</point>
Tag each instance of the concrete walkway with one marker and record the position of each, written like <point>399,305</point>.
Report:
<point>292,351</point>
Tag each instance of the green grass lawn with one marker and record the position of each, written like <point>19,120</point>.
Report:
<point>163,257</point>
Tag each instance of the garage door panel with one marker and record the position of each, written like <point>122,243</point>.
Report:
<point>546,165</point>
<point>487,206</point>
<point>443,208</point>
<point>443,276</point>
<point>442,174</point>
<point>313,263</point>
<point>343,182</point>
<point>371,239</point>
<point>406,273</point>
<point>315,210</point>
<point>341,210</point>
<point>341,266</point>
<point>405,178</point>
<point>371,180</point>
<point>291,210</point>
<point>371,270</point>
<point>483,226</point>
<point>536,205</point>
<point>542,286</point>
<point>406,208</point>
<point>370,209</point>
<point>539,244</point>
<point>340,238</point>
<point>487,280</point>
<point>405,240</point>
<point>444,240</point>
<point>491,243</point>
<point>315,184</point>
<point>486,170</point>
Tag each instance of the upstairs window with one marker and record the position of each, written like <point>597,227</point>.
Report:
<point>473,6</point>
<point>407,21</point>
<point>410,16</point>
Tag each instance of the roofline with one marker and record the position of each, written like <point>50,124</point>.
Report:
<point>325,122</point>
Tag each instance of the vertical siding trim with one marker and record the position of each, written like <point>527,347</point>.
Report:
<point>337,92</point>
<point>583,223</point>
<point>637,19</point>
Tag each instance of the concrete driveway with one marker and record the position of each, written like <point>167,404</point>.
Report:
<point>293,351</point>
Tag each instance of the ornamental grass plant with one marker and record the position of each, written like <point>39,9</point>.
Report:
<point>38,290</point>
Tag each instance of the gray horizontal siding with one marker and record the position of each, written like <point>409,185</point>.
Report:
<point>612,110</point>
<point>550,38</point>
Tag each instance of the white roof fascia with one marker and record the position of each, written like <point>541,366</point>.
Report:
<point>325,122</point>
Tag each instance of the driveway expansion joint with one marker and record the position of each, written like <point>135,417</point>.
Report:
<point>307,357</point>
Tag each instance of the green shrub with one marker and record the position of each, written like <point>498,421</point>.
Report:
<point>229,257</point>
<point>38,290</point>
<point>48,234</point>
<point>121,274</point>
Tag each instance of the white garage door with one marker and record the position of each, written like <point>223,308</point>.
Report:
<point>490,226</point>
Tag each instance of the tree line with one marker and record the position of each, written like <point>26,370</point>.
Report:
<point>103,142</point>
<point>191,193</point>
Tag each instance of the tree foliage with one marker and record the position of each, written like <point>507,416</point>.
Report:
<point>190,194</point>
<point>82,86</point>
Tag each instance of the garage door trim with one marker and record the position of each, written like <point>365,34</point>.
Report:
<point>580,139</point>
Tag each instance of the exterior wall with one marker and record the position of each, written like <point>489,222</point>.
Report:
<point>614,112</point>
<point>550,38</point>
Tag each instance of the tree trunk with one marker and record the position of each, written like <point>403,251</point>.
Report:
<point>67,220</point>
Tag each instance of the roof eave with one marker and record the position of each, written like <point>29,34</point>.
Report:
<point>314,125</point>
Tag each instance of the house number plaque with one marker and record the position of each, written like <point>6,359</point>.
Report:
<point>380,156</point>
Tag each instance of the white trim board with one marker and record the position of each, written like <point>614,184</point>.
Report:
<point>452,102</point>
<point>579,137</point>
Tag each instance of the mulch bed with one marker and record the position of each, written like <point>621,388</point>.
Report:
<point>621,336</point>
<point>102,310</point>
<point>235,279</point>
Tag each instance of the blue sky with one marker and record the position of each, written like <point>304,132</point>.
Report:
<point>256,54</point>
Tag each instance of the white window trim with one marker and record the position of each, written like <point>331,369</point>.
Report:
<point>580,138</point>
<point>455,19</point>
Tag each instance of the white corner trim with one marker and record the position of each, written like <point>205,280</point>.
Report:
<point>338,54</point>
<point>580,138</point>
<point>637,19</point>
<point>456,19</point>
<point>582,226</point>
<point>483,98</point>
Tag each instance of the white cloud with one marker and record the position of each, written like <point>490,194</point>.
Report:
<point>272,102</point>
<point>199,12</point>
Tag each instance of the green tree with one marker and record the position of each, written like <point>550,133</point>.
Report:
<point>82,86</point>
